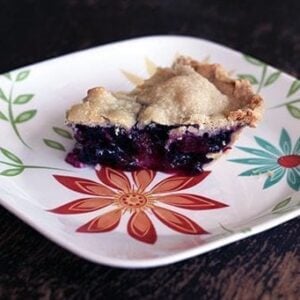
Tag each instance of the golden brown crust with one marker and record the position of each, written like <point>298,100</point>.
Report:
<point>103,107</point>
<point>250,112</point>
<point>188,93</point>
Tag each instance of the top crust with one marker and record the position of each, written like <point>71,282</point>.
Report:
<point>188,93</point>
<point>103,107</point>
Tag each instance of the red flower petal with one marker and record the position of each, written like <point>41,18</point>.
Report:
<point>84,186</point>
<point>177,221</point>
<point>106,222</point>
<point>141,228</point>
<point>143,178</point>
<point>82,206</point>
<point>114,178</point>
<point>190,201</point>
<point>177,183</point>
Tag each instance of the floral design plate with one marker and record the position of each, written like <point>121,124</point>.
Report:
<point>144,219</point>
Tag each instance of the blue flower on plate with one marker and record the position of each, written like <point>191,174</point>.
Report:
<point>275,161</point>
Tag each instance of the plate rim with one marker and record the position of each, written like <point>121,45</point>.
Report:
<point>164,36</point>
<point>158,261</point>
<point>152,262</point>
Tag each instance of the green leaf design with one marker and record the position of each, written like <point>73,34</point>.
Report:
<point>274,178</point>
<point>289,102</point>
<point>22,75</point>
<point>7,75</point>
<point>10,155</point>
<point>248,77</point>
<point>279,212</point>
<point>297,147</point>
<point>253,161</point>
<point>267,146</point>
<point>257,152</point>
<point>62,132</point>
<point>253,60</point>
<point>293,179</point>
<point>2,95</point>
<point>12,172</point>
<point>281,204</point>
<point>245,230</point>
<point>22,99</point>
<point>25,116</point>
<point>259,170</point>
<point>272,78</point>
<point>294,88</point>
<point>225,228</point>
<point>54,145</point>
<point>294,111</point>
<point>285,142</point>
<point>3,117</point>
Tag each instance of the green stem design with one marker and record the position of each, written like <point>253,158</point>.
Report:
<point>11,116</point>
<point>31,166</point>
<point>285,103</point>
<point>263,76</point>
<point>9,164</point>
<point>43,167</point>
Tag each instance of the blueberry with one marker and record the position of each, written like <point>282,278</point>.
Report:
<point>145,148</point>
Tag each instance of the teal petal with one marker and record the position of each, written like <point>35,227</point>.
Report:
<point>297,147</point>
<point>259,170</point>
<point>274,178</point>
<point>297,170</point>
<point>257,152</point>
<point>267,146</point>
<point>254,161</point>
<point>285,142</point>
<point>293,179</point>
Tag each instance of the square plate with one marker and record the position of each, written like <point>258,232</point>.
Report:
<point>252,188</point>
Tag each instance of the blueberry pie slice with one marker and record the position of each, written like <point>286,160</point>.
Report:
<point>176,121</point>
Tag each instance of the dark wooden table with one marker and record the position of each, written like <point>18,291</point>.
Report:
<point>265,266</point>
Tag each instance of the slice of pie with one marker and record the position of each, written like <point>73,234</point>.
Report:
<point>177,121</point>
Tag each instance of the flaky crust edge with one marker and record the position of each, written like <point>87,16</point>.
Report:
<point>252,109</point>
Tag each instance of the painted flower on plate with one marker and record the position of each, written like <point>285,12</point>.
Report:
<point>116,189</point>
<point>276,162</point>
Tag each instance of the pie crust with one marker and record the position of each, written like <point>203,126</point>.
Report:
<point>188,93</point>
<point>178,120</point>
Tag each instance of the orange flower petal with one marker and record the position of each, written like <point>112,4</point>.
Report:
<point>141,228</point>
<point>84,186</point>
<point>143,178</point>
<point>106,222</point>
<point>177,221</point>
<point>114,178</point>
<point>177,183</point>
<point>100,190</point>
<point>190,201</point>
<point>82,206</point>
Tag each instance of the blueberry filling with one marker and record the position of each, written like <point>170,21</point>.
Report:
<point>152,147</point>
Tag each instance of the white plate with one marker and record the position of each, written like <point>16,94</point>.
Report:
<point>34,143</point>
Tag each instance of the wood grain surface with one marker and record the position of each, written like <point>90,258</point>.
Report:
<point>265,266</point>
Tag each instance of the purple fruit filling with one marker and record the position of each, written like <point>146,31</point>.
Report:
<point>154,147</point>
